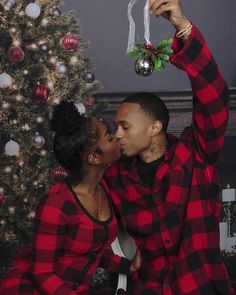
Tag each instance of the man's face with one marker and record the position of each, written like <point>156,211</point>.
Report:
<point>133,129</point>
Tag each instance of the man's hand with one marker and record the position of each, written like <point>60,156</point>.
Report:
<point>137,261</point>
<point>171,10</point>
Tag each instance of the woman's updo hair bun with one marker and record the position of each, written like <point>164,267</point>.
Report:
<point>72,140</point>
<point>66,119</point>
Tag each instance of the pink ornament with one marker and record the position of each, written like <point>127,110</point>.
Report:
<point>70,42</point>
<point>15,55</point>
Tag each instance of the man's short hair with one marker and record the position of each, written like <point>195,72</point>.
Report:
<point>152,105</point>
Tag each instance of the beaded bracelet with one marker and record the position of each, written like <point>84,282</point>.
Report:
<point>183,32</point>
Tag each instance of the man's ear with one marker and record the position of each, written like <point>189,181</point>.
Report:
<point>156,127</point>
<point>93,158</point>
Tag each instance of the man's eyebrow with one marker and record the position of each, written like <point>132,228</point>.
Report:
<point>122,122</point>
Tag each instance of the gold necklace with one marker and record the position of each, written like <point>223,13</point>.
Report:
<point>99,203</point>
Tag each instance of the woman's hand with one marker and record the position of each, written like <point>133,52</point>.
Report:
<point>137,261</point>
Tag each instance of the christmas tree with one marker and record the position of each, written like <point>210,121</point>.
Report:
<point>41,63</point>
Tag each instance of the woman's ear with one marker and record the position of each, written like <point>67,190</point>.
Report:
<point>156,127</point>
<point>93,158</point>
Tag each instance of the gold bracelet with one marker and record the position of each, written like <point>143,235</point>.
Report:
<point>183,32</point>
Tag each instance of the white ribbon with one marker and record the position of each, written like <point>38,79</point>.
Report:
<point>131,38</point>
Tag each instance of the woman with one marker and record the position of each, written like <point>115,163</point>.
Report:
<point>75,222</point>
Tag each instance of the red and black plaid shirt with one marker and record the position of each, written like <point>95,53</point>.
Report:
<point>175,222</point>
<point>68,246</point>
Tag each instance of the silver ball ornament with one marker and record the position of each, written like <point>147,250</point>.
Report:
<point>62,68</point>
<point>38,141</point>
<point>33,10</point>
<point>144,67</point>
<point>89,77</point>
<point>7,4</point>
<point>55,12</point>
<point>5,80</point>
<point>12,148</point>
<point>44,48</point>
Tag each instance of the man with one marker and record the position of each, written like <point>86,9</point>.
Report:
<point>167,188</point>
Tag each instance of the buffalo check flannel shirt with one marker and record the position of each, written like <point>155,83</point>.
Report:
<point>68,246</point>
<point>175,222</point>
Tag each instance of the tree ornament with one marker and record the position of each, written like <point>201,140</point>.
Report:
<point>7,4</point>
<point>33,10</point>
<point>81,108</point>
<point>155,57</point>
<point>11,210</point>
<point>40,94</point>
<point>70,42</point>
<point>90,100</point>
<point>148,56</point>
<point>44,48</point>
<point>62,68</point>
<point>12,148</point>
<point>7,169</point>
<point>144,67</point>
<point>89,77</point>
<point>55,12</point>
<point>5,40</point>
<point>15,55</point>
<point>2,199</point>
<point>5,80</point>
<point>38,141</point>
<point>2,117</point>
<point>59,173</point>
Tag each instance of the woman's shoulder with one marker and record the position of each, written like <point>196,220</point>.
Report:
<point>58,194</point>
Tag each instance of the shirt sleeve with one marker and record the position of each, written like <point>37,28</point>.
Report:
<point>48,241</point>
<point>210,94</point>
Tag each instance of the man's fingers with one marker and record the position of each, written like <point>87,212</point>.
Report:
<point>159,7</point>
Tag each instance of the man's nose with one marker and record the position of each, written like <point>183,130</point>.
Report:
<point>119,133</point>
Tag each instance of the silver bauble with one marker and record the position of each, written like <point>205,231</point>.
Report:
<point>144,67</point>
<point>89,77</point>
<point>7,4</point>
<point>44,47</point>
<point>12,148</point>
<point>5,80</point>
<point>38,141</point>
<point>33,10</point>
<point>62,68</point>
<point>55,12</point>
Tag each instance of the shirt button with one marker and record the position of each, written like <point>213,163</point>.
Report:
<point>166,286</point>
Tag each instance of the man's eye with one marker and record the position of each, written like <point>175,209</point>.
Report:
<point>125,127</point>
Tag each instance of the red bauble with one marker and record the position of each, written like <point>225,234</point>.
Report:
<point>59,173</point>
<point>40,94</point>
<point>2,199</point>
<point>15,55</point>
<point>70,42</point>
<point>90,100</point>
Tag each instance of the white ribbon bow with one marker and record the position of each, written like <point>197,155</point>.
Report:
<point>131,38</point>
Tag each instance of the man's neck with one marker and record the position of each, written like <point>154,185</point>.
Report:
<point>155,151</point>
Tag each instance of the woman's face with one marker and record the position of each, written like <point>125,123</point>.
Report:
<point>106,142</point>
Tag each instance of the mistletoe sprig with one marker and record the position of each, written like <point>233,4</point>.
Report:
<point>159,55</point>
